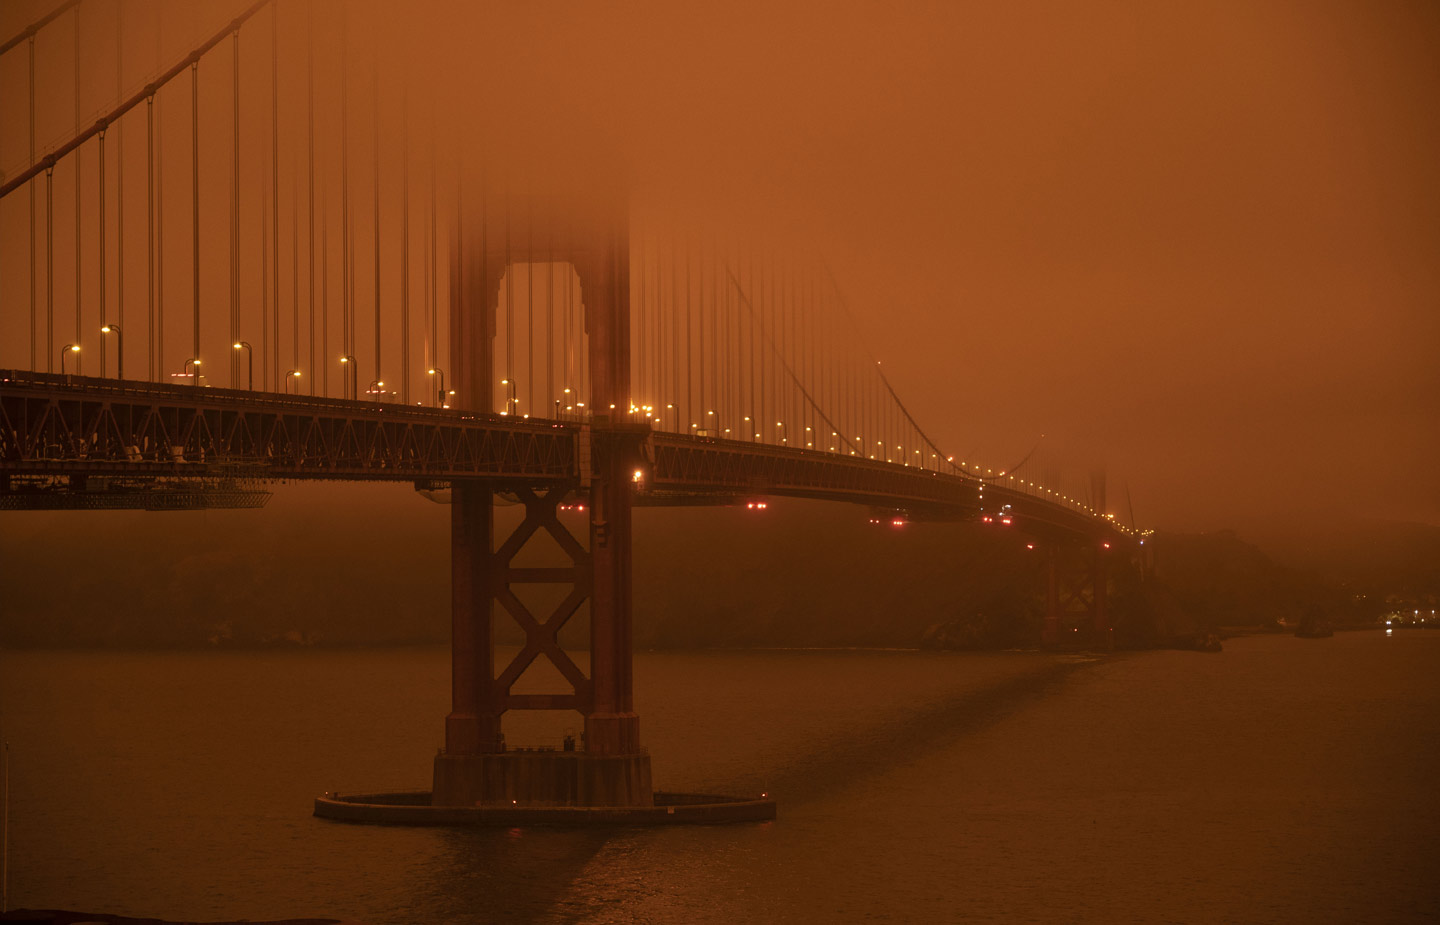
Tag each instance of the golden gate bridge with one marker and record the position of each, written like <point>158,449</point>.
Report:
<point>382,303</point>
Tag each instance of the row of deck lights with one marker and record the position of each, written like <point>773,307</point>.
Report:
<point>377,387</point>
<point>649,412</point>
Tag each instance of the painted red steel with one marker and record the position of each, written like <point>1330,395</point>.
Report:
<point>72,425</point>
<point>703,464</point>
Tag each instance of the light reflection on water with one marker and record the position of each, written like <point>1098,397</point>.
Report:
<point>1283,780</point>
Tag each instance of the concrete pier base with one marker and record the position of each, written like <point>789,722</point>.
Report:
<point>542,778</point>
<point>415,808</point>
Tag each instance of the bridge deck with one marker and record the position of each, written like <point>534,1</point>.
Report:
<point>53,425</point>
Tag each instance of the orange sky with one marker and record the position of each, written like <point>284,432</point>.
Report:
<point>1193,242</point>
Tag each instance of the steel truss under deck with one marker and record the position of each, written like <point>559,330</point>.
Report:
<point>72,425</point>
<point>59,426</point>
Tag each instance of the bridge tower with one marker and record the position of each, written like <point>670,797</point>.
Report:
<point>1077,584</point>
<point>609,768</point>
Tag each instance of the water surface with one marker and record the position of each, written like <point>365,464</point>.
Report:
<point>1283,780</point>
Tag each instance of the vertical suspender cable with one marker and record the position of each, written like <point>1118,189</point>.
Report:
<point>783,336</point>
<point>648,338</point>
<point>325,293</point>
<point>195,206</point>
<point>310,190</point>
<point>34,317</point>
<point>766,299</point>
<point>79,158</point>
<point>158,169</point>
<point>699,412</point>
<point>324,355</point>
<point>375,197</point>
<point>551,396</point>
<point>640,332</point>
<point>49,269</point>
<point>347,279</point>
<point>530,304</point>
<point>570,380</point>
<point>682,421</point>
<point>509,279</point>
<point>79,360</point>
<point>801,349</point>
<point>101,198</point>
<point>405,244</point>
<point>265,290</point>
<point>150,231</point>
<point>661,314</point>
<point>675,307</point>
<point>435,359</point>
<point>750,432</point>
<point>295,272</point>
<point>275,189</point>
<point>119,190</point>
<point>717,358</point>
<point>235,208</point>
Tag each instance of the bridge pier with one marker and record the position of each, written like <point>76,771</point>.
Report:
<point>1077,605</point>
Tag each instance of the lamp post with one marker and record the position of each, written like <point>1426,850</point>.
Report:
<point>440,394</point>
<point>249,363</point>
<point>196,363</point>
<point>510,401</point>
<point>292,375</point>
<point>376,387</point>
<point>119,348</point>
<point>348,363</point>
<point>66,351</point>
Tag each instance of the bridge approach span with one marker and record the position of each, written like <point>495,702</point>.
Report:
<point>63,426</point>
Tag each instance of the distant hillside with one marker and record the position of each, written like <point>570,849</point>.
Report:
<point>367,565</point>
<point>370,565</point>
<point>1402,558</point>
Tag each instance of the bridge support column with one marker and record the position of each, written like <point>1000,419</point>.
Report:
<point>611,768</point>
<point>1099,581</point>
<point>1050,634</point>
<point>1077,608</point>
<point>473,725</point>
<point>612,726</point>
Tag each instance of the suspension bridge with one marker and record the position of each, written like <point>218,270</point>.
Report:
<point>240,261</point>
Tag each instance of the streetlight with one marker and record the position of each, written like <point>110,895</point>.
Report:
<point>511,401</point>
<point>67,349</point>
<point>188,362</point>
<point>376,387</point>
<point>354,376</point>
<point>439,395</point>
<point>249,363</point>
<point>292,375</point>
<point>119,348</point>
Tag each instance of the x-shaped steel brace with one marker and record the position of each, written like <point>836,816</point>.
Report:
<point>542,638</point>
